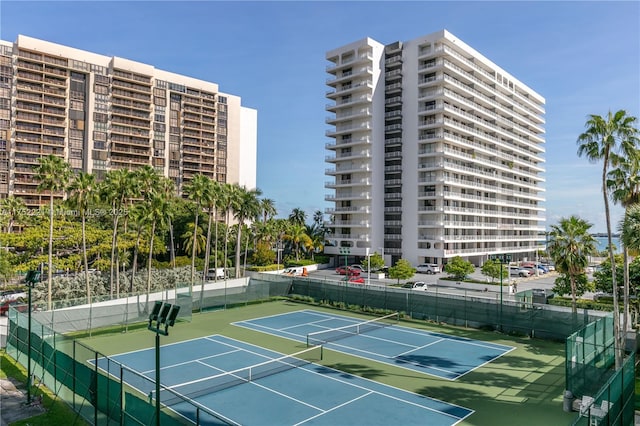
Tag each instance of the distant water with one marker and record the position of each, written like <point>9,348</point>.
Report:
<point>602,242</point>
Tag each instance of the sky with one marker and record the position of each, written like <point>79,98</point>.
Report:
<point>583,57</point>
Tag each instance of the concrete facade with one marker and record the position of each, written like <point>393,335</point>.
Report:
<point>437,152</point>
<point>102,113</point>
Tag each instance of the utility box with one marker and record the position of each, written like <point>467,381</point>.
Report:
<point>541,295</point>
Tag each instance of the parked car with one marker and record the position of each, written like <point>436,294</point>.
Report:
<point>356,279</point>
<point>533,270</point>
<point>216,273</point>
<point>19,304</point>
<point>602,296</point>
<point>11,295</point>
<point>541,269</point>
<point>520,272</point>
<point>428,268</point>
<point>344,270</point>
<point>416,285</point>
<point>359,268</point>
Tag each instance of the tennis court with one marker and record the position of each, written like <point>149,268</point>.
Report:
<point>246,384</point>
<point>383,340</point>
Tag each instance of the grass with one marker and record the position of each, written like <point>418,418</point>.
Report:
<point>58,412</point>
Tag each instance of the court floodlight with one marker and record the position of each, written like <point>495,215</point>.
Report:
<point>171,320</point>
<point>155,312</point>
<point>162,317</point>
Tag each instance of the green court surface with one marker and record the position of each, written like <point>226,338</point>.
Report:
<point>523,387</point>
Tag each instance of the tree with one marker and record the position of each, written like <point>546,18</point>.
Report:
<point>493,269</point>
<point>402,270</point>
<point>376,261</point>
<point>228,201</point>
<point>624,183</point>
<point>459,268</point>
<point>157,211</point>
<point>608,140</point>
<point>570,245</point>
<point>297,235</point>
<point>247,209</point>
<point>268,207</point>
<point>564,285</point>
<point>117,187</point>
<point>83,193</point>
<point>263,255</point>
<point>210,200</point>
<point>168,188</point>
<point>298,216</point>
<point>53,174</point>
<point>630,238</point>
<point>195,190</point>
<point>14,208</point>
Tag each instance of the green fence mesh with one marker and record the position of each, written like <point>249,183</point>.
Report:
<point>520,317</point>
<point>105,392</point>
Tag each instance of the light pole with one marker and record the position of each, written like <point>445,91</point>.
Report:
<point>382,254</point>
<point>164,314</point>
<point>346,251</point>
<point>279,255</point>
<point>31,279</point>
<point>368,266</point>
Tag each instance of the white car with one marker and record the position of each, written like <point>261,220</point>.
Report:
<point>418,285</point>
<point>428,268</point>
<point>521,272</point>
<point>360,268</point>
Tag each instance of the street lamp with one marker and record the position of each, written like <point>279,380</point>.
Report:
<point>279,254</point>
<point>368,266</point>
<point>346,251</point>
<point>164,314</point>
<point>31,279</point>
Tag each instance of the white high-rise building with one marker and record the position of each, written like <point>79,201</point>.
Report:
<point>101,113</point>
<point>437,152</point>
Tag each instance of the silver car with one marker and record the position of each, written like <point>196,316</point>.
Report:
<point>428,268</point>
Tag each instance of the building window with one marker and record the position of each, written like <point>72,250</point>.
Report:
<point>101,90</point>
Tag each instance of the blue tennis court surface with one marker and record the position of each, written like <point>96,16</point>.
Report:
<point>437,354</point>
<point>310,394</point>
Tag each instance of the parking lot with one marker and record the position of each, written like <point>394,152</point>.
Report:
<point>542,281</point>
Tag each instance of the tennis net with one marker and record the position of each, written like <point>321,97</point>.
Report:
<point>333,334</point>
<point>189,391</point>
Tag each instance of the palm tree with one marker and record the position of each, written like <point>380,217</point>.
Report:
<point>53,174</point>
<point>610,139</point>
<point>298,216</point>
<point>116,188</point>
<point>195,190</point>
<point>624,183</point>
<point>268,207</point>
<point>298,236</point>
<point>188,241</point>
<point>14,208</point>
<point>228,201</point>
<point>168,189</point>
<point>570,245</point>
<point>83,194</point>
<point>630,227</point>
<point>137,216</point>
<point>210,200</point>
<point>157,211</point>
<point>247,209</point>
<point>318,218</point>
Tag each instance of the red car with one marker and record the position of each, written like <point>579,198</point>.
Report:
<point>20,305</point>
<point>347,270</point>
<point>356,280</point>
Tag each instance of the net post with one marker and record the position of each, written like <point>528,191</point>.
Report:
<point>321,352</point>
